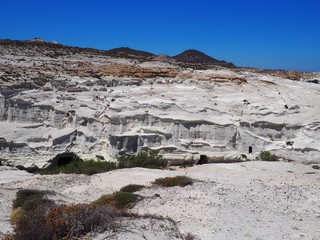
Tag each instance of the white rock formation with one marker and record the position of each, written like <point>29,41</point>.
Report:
<point>218,113</point>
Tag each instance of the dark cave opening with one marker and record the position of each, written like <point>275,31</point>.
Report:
<point>203,160</point>
<point>63,159</point>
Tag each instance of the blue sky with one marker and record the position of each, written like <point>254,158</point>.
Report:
<point>275,34</point>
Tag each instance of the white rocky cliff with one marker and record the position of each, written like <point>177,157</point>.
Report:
<point>92,103</point>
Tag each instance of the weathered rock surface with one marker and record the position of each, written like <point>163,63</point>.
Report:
<point>56,99</point>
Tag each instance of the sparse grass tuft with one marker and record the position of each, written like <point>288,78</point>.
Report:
<point>131,188</point>
<point>181,181</point>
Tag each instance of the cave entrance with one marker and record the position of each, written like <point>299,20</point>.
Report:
<point>63,159</point>
<point>203,160</point>
<point>250,149</point>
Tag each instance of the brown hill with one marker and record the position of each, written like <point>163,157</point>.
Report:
<point>126,52</point>
<point>196,57</point>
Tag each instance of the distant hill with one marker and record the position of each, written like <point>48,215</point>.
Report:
<point>128,52</point>
<point>197,57</point>
<point>188,58</point>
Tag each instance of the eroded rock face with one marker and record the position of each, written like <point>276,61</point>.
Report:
<point>107,106</point>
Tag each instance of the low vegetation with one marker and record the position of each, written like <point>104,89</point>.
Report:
<point>47,220</point>
<point>181,181</point>
<point>144,160</point>
<point>82,167</point>
<point>36,217</point>
<point>90,167</point>
<point>267,156</point>
<point>123,199</point>
<point>131,188</point>
<point>118,200</point>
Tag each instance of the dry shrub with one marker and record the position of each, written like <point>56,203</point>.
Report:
<point>76,220</point>
<point>70,221</point>
<point>66,222</point>
<point>32,225</point>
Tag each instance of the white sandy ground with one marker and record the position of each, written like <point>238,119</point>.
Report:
<point>249,200</point>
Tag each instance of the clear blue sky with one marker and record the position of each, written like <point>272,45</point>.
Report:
<point>276,34</point>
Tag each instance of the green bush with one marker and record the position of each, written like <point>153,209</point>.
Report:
<point>174,181</point>
<point>267,156</point>
<point>131,188</point>
<point>89,167</point>
<point>144,159</point>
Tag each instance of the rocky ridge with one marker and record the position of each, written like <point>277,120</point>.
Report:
<point>56,98</point>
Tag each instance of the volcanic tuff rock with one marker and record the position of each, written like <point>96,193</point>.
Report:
<point>56,99</point>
